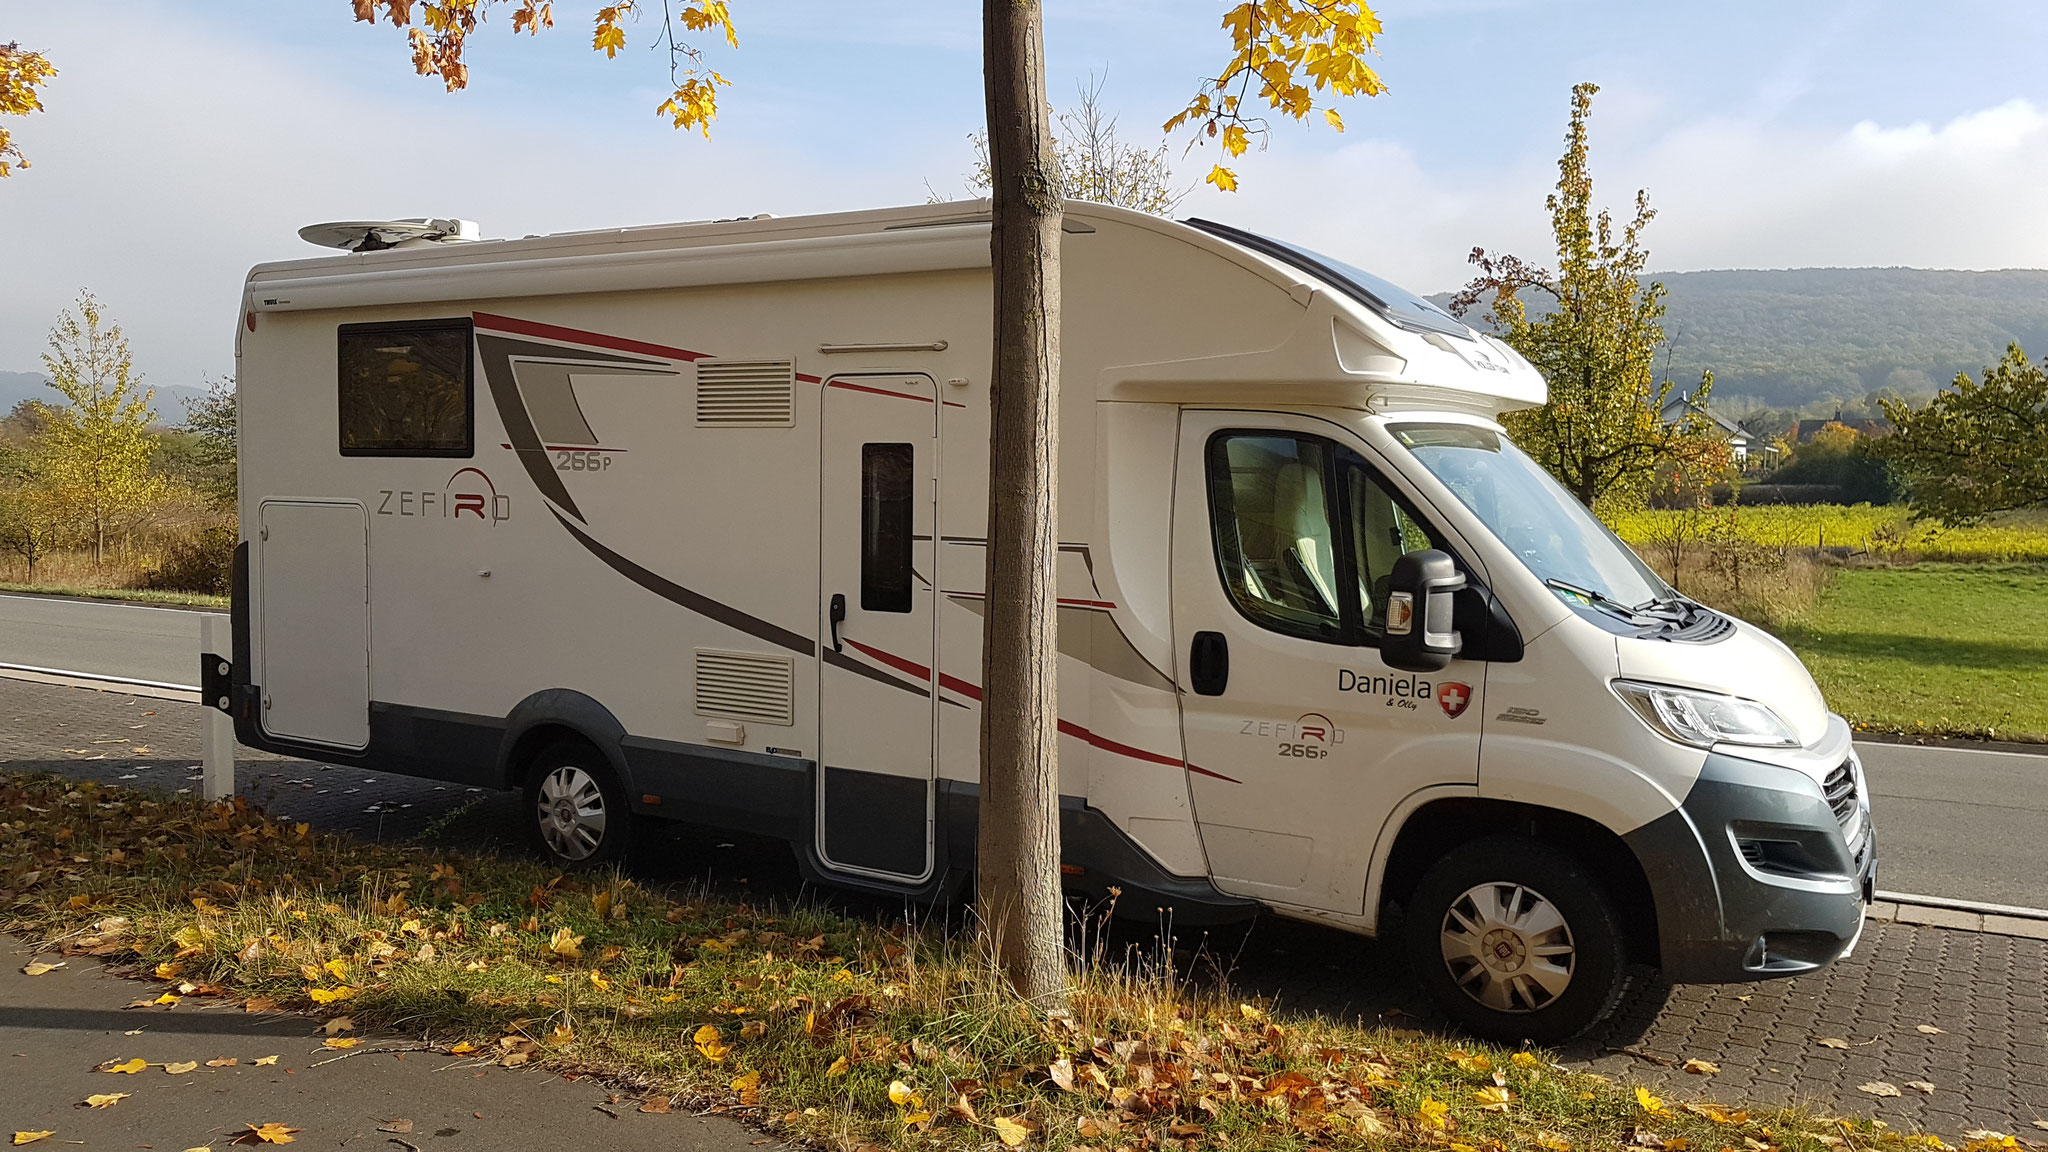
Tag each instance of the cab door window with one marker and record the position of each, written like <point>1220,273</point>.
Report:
<point>1271,497</point>
<point>1307,535</point>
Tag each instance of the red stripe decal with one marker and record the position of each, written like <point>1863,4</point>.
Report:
<point>1067,727</point>
<point>877,391</point>
<point>592,339</point>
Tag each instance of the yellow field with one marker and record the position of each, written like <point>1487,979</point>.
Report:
<point>1882,530</point>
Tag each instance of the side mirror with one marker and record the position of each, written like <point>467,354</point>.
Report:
<point>1420,601</point>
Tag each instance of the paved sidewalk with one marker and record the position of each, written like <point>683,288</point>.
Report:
<point>56,1029</point>
<point>1987,992</point>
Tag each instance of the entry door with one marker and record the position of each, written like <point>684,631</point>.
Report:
<point>1283,538</point>
<point>313,621</point>
<point>877,690</point>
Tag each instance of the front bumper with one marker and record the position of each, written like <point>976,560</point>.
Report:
<point>1753,877</point>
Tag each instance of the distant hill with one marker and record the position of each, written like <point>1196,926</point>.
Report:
<point>18,386</point>
<point>1802,336</point>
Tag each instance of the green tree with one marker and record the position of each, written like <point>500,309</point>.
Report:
<point>1976,448</point>
<point>1595,337</point>
<point>210,463</point>
<point>98,446</point>
<point>1283,52</point>
<point>32,516</point>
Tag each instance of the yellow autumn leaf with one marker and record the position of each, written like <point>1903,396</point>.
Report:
<point>597,979</point>
<point>462,1049</point>
<point>265,1134</point>
<point>40,968</point>
<point>265,1060</point>
<point>1525,1060</point>
<point>710,1044</point>
<point>168,970</point>
<point>32,1137</point>
<point>839,1068</point>
<point>1336,121</point>
<point>106,1099</point>
<point>901,1096</point>
<point>166,998</point>
<point>1235,140</point>
<point>1250,1013</point>
<point>565,945</point>
<point>1702,1067</point>
<point>1493,1098</point>
<point>330,995</point>
<point>1471,1063</point>
<point>341,1042</point>
<point>338,967</point>
<point>128,1067</point>
<point>748,1085</point>
<point>1010,1132</point>
<point>1651,1104</point>
<point>1433,1113</point>
<point>1551,1142</point>
<point>180,1067</point>
<point>1223,178</point>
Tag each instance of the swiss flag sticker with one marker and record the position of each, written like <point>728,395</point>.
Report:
<point>1453,698</point>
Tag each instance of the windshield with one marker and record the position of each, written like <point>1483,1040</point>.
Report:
<point>1553,534</point>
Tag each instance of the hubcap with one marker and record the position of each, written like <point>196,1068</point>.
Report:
<point>571,813</point>
<point>1507,947</point>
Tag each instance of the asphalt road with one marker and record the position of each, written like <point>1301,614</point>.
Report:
<point>160,644</point>
<point>1957,823</point>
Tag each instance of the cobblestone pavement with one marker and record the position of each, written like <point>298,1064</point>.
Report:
<point>1987,993</point>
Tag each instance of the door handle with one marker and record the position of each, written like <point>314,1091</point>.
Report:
<point>1209,664</point>
<point>837,615</point>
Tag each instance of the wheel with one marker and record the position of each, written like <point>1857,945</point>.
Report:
<point>1515,941</point>
<point>580,815</point>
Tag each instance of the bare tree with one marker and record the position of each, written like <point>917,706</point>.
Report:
<point>1095,162</point>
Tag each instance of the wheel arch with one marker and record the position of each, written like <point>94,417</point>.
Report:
<point>1439,826</point>
<point>556,714</point>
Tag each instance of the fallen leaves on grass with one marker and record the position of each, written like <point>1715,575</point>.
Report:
<point>1494,1098</point>
<point>265,1134</point>
<point>1653,1105</point>
<point>330,995</point>
<point>710,1044</point>
<point>566,945</point>
<point>748,1086</point>
<point>1014,1133</point>
<point>104,1099</point>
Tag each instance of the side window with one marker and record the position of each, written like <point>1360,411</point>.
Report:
<point>1382,531</point>
<point>1270,497</point>
<point>406,389</point>
<point>887,480</point>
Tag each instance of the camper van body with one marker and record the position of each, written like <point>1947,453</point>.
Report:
<point>704,505</point>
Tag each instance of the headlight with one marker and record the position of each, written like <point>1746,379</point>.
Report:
<point>1704,719</point>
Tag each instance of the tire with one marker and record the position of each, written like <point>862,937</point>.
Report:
<point>1516,942</point>
<point>577,813</point>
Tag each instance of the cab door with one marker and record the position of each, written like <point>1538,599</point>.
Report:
<point>1300,740</point>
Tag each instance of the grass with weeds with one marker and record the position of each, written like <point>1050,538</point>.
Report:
<point>139,595</point>
<point>834,1031</point>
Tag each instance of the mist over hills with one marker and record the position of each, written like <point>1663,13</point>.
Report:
<point>18,386</point>
<point>1802,337</point>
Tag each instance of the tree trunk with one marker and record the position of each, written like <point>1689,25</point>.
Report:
<point>1017,868</point>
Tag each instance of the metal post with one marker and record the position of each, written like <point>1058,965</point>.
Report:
<point>219,737</point>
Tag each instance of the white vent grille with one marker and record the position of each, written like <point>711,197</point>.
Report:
<point>746,393</point>
<point>746,686</point>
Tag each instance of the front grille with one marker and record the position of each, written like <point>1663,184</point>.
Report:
<point>1840,789</point>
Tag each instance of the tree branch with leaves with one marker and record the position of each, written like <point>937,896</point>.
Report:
<point>21,73</point>
<point>1976,448</point>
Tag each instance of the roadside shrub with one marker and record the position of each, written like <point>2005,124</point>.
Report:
<point>201,562</point>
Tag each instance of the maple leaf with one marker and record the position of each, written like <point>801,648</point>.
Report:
<point>1433,1113</point>
<point>1223,178</point>
<point>839,1068</point>
<point>748,1085</point>
<point>106,1099</point>
<point>1011,1132</point>
<point>597,979</point>
<point>1525,1060</point>
<point>710,1044</point>
<point>566,945</point>
<point>330,995</point>
<point>265,1134</point>
<point>1493,1099</point>
<point>1651,1104</point>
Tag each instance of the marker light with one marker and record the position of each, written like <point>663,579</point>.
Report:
<point>1704,719</point>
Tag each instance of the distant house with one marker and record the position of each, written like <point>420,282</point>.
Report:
<point>1682,405</point>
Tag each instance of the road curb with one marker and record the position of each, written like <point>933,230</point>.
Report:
<point>1960,743</point>
<point>1960,915</point>
<point>155,689</point>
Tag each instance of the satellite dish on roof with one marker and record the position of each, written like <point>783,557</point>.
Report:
<point>378,235</point>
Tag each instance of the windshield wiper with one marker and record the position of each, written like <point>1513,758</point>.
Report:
<point>1598,599</point>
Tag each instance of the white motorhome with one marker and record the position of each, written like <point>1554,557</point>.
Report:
<point>688,522</point>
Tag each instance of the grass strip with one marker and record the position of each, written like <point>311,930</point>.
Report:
<point>130,595</point>
<point>841,1033</point>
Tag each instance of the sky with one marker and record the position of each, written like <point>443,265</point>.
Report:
<point>185,140</point>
